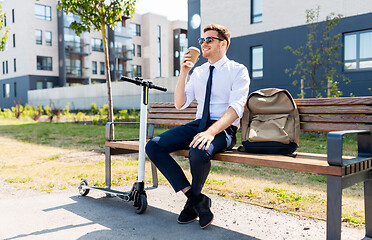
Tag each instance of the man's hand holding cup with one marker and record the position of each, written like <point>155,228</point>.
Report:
<point>190,58</point>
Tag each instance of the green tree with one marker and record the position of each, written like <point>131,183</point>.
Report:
<point>318,58</point>
<point>97,15</point>
<point>4,32</point>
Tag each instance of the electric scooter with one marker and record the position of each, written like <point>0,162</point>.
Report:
<point>138,191</point>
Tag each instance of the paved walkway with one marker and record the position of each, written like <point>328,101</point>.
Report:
<point>67,215</point>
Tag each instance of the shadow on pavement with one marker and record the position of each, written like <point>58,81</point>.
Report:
<point>121,222</point>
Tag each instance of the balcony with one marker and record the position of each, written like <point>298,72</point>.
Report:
<point>78,48</point>
<point>123,54</point>
<point>76,72</point>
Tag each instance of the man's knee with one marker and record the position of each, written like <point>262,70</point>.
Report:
<point>197,155</point>
<point>152,146</point>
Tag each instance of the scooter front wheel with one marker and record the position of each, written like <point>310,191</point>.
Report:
<point>83,191</point>
<point>142,204</point>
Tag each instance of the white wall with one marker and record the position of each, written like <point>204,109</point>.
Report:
<point>125,95</point>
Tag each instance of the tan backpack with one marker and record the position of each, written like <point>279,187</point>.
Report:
<point>270,123</point>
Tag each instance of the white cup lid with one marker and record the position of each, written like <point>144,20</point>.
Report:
<point>194,48</point>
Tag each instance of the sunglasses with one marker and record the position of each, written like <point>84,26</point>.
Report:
<point>208,40</point>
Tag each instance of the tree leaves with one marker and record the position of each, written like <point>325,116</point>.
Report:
<point>318,58</point>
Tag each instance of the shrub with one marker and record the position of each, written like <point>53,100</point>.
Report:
<point>18,109</point>
<point>66,112</point>
<point>38,112</point>
<point>80,116</point>
<point>7,113</point>
<point>93,108</point>
<point>51,111</point>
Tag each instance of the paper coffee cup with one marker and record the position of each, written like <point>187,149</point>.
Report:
<point>194,52</point>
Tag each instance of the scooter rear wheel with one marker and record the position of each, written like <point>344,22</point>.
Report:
<point>142,204</point>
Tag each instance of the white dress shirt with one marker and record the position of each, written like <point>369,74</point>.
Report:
<point>230,86</point>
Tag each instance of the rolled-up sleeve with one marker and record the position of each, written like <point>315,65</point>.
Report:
<point>189,92</point>
<point>239,91</point>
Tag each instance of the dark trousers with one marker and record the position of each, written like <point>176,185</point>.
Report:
<point>158,149</point>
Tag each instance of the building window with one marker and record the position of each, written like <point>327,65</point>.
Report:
<point>102,68</point>
<point>159,51</point>
<point>15,89</point>
<point>13,17</point>
<point>139,51</point>
<point>257,62</point>
<point>39,84</point>
<point>73,67</point>
<point>94,67</point>
<point>6,90</point>
<point>44,63</point>
<point>48,38</point>
<point>3,67</point>
<point>139,71</point>
<point>15,65</point>
<point>43,12</point>
<point>39,37</point>
<point>256,11</point>
<point>14,42</point>
<point>49,84</point>
<point>97,45</point>
<point>136,71</point>
<point>133,50</point>
<point>136,29</point>
<point>358,50</point>
<point>6,66</point>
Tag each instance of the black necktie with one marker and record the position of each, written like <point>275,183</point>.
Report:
<point>206,113</point>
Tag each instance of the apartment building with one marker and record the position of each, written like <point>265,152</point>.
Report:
<point>260,30</point>
<point>42,52</point>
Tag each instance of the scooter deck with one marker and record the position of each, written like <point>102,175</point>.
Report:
<point>120,194</point>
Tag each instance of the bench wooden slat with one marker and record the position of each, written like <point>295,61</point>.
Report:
<point>300,163</point>
<point>169,122</point>
<point>337,118</point>
<point>300,102</point>
<point>334,101</point>
<point>190,116</point>
<point>169,105</point>
<point>332,127</point>
<point>172,110</point>
<point>336,110</point>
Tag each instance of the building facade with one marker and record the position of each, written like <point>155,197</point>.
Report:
<point>261,29</point>
<point>42,52</point>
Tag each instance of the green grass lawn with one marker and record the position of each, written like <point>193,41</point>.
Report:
<point>92,137</point>
<point>290,191</point>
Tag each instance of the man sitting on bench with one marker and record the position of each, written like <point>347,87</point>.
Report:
<point>220,107</point>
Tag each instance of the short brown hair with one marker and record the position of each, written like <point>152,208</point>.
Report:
<point>223,32</point>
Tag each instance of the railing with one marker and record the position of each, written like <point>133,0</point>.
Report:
<point>78,72</point>
<point>123,54</point>
<point>77,47</point>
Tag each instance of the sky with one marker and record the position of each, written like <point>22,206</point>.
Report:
<point>172,9</point>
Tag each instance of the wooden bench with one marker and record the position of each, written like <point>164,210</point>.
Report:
<point>338,116</point>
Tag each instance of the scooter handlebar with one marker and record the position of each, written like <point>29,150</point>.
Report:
<point>138,81</point>
<point>151,85</point>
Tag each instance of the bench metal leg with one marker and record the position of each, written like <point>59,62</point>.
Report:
<point>334,201</point>
<point>107,167</point>
<point>368,205</point>
<point>154,175</point>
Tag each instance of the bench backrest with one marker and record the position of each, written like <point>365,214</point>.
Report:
<point>316,114</point>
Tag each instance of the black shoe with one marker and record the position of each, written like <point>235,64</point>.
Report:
<point>204,211</point>
<point>188,214</point>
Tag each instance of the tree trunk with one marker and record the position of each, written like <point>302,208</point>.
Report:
<point>108,74</point>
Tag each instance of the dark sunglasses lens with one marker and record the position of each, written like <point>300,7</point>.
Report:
<point>208,40</point>
<point>201,40</point>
